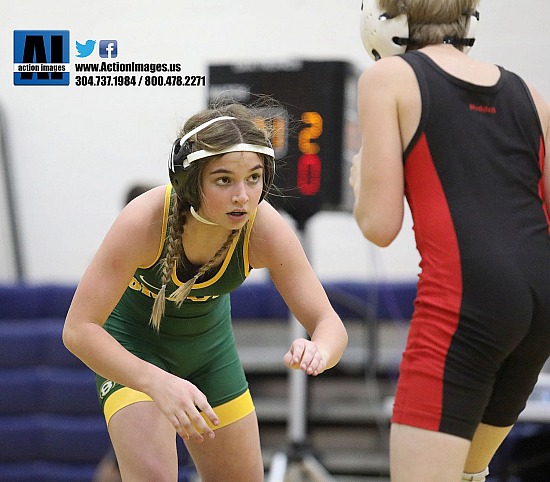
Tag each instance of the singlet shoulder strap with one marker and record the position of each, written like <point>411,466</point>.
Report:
<point>417,61</point>
<point>165,214</point>
<point>246,243</point>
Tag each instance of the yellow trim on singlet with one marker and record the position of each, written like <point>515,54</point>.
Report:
<point>226,261</point>
<point>228,413</point>
<point>165,213</point>
<point>122,398</point>
<point>246,243</point>
<point>232,411</point>
<point>218,275</point>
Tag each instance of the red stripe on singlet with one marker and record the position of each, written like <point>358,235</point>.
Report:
<point>419,401</point>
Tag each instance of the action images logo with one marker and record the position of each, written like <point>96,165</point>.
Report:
<point>41,57</point>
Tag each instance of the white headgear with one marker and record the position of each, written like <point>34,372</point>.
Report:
<point>384,35</point>
<point>182,156</point>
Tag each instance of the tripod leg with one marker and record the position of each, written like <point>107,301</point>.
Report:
<point>316,472</point>
<point>295,473</point>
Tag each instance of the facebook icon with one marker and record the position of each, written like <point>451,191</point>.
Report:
<point>108,49</point>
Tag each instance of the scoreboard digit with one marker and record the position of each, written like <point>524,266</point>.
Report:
<point>308,128</point>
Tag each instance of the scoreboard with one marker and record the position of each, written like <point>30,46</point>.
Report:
<point>312,118</point>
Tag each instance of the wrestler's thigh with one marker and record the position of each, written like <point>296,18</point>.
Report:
<point>144,443</point>
<point>233,455</point>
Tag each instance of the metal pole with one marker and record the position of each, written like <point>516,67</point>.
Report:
<point>10,199</point>
<point>297,394</point>
<point>284,465</point>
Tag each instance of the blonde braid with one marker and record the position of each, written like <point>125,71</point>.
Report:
<point>183,291</point>
<point>173,255</point>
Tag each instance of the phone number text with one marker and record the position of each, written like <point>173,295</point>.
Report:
<point>139,80</point>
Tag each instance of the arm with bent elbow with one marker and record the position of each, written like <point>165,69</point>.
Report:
<point>376,176</point>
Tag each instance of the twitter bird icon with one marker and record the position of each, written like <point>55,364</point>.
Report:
<point>85,49</point>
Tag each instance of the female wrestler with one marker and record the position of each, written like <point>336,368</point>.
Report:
<point>151,315</point>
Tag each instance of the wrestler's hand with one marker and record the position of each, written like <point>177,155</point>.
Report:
<point>305,355</point>
<point>180,401</point>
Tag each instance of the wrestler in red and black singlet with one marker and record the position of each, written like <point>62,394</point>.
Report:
<point>480,332</point>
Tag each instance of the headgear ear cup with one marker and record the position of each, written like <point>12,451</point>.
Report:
<point>176,169</point>
<point>382,35</point>
<point>471,29</point>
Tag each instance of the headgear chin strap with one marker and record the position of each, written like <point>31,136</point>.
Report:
<point>182,156</point>
<point>384,35</point>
